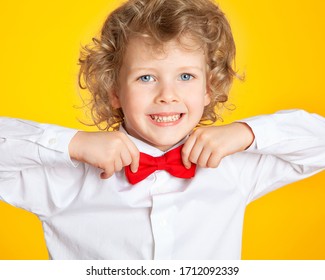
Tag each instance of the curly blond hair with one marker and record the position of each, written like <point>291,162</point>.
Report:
<point>161,21</point>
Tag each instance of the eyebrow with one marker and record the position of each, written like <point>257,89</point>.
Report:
<point>191,67</point>
<point>183,68</point>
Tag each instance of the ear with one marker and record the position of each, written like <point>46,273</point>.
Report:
<point>207,97</point>
<point>114,100</point>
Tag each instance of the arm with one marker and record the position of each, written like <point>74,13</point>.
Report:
<point>288,146</point>
<point>268,151</point>
<point>34,163</point>
<point>294,136</point>
<point>26,144</point>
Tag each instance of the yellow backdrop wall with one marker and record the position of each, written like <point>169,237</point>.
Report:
<point>280,47</point>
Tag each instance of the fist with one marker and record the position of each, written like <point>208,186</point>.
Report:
<point>109,151</point>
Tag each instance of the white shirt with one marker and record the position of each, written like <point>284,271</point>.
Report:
<point>162,217</point>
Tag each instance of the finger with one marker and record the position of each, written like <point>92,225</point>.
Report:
<point>214,160</point>
<point>108,172</point>
<point>134,153</point>
<point>105,175</point>
<point>118,165</point>
<point>204,157</point>
<point>126,157</point>
<point>186,150</point>
<point>196,152</point>
<point>193,146</point>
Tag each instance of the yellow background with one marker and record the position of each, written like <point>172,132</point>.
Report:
<point>280,47</point>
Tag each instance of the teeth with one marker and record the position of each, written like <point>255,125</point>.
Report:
<point>166,118</point>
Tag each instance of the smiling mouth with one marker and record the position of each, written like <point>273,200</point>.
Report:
<point>166,118</point>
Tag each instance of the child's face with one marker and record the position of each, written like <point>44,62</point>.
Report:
<point>162,93</point>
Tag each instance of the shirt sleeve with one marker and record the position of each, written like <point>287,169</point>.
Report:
<point>288,146</point>
<point>36,172</point>
<point>26,144</point>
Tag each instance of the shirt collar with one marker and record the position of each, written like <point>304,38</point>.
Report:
<point>147,148</point>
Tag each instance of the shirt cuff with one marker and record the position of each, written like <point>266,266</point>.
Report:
<point>54,146</point>
<point>264,129</point>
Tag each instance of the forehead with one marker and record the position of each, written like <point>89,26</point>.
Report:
<point>142,48</point>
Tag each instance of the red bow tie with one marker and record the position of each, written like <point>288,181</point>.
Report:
<point>171,162</point>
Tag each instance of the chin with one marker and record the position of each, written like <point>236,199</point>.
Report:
<point>165,145</point>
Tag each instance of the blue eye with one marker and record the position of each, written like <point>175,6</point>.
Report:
<point>146,78</point>
<point>186,77</point>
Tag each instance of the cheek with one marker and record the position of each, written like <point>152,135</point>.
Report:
<point>133,107</point>
<point>200,98</point>
<point>196,106</point>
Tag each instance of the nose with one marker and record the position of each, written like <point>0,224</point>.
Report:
<point>167,93</point>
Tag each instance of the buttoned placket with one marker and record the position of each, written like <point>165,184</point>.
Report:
<point>162,218</point>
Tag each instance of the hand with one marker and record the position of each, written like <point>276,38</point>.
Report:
<point>206,146</point>
<point>110,151</point>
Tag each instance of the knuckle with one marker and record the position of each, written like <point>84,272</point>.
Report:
<point>211,142</point>
<point>119,137</point>
<point>216,151</point>
<point>203,137</point>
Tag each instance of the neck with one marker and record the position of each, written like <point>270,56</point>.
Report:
<point>163,148</point>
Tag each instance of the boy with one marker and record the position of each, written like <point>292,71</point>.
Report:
<point>159,69</point>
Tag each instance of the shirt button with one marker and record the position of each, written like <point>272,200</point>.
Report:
<point>52,141</point>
